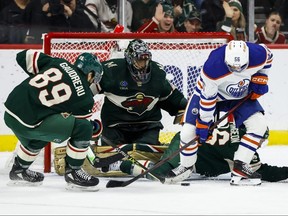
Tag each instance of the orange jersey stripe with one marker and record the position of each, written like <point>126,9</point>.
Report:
<point>250,140</point>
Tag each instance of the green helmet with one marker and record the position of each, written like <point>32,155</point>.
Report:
<point>138,50</point>
<point>86,62</point>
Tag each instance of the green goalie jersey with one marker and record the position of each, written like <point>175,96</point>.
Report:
<point>53,86</point>
<point>127,101</point>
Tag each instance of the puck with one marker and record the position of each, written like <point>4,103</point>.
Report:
<point>185,184</point>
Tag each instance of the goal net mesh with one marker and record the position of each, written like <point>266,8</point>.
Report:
<point>182,56</point>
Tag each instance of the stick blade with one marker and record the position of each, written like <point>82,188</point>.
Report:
<point>115,183</point>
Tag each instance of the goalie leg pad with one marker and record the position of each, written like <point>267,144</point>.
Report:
<point>59,160</point>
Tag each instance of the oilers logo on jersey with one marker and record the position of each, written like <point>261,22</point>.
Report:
<point>237,90</point>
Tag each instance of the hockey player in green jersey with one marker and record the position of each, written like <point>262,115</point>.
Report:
<point>136,89</point>
<point>214,157</point>
<point>52,105</point>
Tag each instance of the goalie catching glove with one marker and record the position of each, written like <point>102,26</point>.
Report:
<point>97,128</point>
<point>258,85</point>
<point>202,130</point>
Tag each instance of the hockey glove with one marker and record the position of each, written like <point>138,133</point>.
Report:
<point>202,130</point>
<point>258,86</point>
<point>179,117</point>
<point>97,128</point>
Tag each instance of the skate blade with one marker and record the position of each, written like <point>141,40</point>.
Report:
<point>239,181</point>
<point>179,178</point>
<point>74,187</point>
<point>13,183</point>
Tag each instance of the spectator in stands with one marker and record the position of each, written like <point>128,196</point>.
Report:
<point>182,9</point>
<point>162,21</point>
<point>12,28</point>
<point>212,12</point>
<point>192,23</point>
<point>104,14</point>
<point>234,21</point>
<point>55,16</point>
<point>270,32</point>
<point>143,11</point>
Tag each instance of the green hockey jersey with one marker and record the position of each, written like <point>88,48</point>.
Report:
<point>53,86</point>
<point>128,102</point>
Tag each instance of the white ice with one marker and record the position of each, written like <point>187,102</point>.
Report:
<point>144,197</point>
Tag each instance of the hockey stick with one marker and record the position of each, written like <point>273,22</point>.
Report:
<point>133,160</point>
<point>116,183</point>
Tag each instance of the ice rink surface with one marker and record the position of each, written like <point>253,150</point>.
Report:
<point>144,197</point>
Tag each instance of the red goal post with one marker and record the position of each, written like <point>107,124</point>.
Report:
<point>181,54</point>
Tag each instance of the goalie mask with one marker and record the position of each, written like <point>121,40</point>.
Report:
<point>237,56</point>
<point>87,62</point>
<point>138,58</point>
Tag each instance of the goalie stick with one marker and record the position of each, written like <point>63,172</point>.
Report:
<point>133,160</point>
<point>116,183</point>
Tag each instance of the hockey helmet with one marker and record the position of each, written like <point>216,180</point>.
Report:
<point>138,58</point>
<point>87,62</point>
<point>237,56</point>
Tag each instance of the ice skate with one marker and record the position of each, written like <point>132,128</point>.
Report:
<point>24,177</point>
<point>112,167</point>
<point>78,179</point>
<point>178,174</point>
<point>242,174</point>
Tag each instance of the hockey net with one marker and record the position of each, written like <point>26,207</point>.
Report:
<point>181,54</point>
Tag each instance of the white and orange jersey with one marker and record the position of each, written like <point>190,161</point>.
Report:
<point>216,83</point>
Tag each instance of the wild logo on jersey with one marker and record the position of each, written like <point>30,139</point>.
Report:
<point>238,89</point>
<point>138,103</point>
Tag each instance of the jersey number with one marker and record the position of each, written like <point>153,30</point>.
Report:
<point>219,137</point>
<point>59,93</point>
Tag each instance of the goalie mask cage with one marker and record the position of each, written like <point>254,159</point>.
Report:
<point>181,54</point>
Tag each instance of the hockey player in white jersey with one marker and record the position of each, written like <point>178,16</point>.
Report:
<point>229,74</point>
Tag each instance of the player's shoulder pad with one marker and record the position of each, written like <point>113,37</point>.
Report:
<point>157,68</point>
<point>32,60</point>
<point>113,63</point>
<point>258,54</point>
<point>215,66</point>
<point>269,52</point>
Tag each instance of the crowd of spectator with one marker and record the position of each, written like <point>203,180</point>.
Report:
<point>25,21</point>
